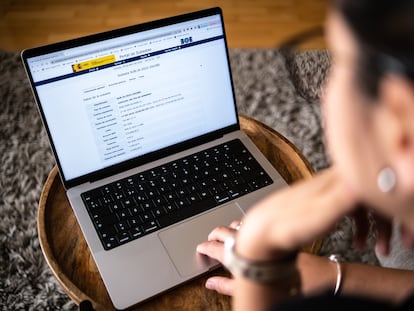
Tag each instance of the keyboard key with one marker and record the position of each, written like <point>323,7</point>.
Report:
<point>123,237</point>
<point>222,197</point>
<point>170,207</point>
<point>146,216</point>
<point>150,226</point>
<point>135,221</point>
<point>110,242</point>
<point>159,211</point>
<point>102,222</point>
<point>100,212</point>
<point>136,232</point>
<point>107,232</point>
<point>234,193</point>
<point>122,226</point>
<point>124,214</point>
<point>129,202</point>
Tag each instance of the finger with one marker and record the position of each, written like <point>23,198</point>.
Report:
<point>221,284</point>
<point>221,233</point>
<point>235,224</point>
<point>384,232</point>
<point>361,227</point>
<point>213,249</point>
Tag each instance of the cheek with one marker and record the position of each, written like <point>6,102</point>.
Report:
<point>343,128</point>
<point>339,123</point>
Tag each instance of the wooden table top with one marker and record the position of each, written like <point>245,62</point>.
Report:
<point>71,262</point>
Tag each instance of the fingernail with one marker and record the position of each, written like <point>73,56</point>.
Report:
<point>211,284</point>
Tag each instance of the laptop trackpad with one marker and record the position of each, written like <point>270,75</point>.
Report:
<point>181,241</point>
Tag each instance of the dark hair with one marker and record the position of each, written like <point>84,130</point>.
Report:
<point>384,30</point>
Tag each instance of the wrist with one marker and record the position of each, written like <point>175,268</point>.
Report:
<point>261,271</point>
<point>253,241</point>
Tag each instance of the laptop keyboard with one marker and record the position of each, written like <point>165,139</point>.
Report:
<point>132,207</point>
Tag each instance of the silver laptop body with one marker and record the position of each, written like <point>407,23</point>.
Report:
<point>118,103</point>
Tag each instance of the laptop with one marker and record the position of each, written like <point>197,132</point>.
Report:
<point>144,128</point>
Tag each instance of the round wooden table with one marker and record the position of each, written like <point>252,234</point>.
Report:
<point>70,260</point>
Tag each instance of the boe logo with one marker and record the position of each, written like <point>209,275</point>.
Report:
<point>187,40</point>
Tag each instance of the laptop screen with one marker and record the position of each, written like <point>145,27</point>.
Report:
<point>123,96</point>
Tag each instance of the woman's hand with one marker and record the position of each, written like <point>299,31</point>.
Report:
<point>214,248</point>
<point>285,222</point>
<point>281,223</point>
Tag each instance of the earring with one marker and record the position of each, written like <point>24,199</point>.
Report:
<point>386,180</point>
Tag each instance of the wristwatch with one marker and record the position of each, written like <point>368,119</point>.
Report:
<point>271,271</point>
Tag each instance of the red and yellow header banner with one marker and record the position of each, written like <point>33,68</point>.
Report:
<point>88,64</point>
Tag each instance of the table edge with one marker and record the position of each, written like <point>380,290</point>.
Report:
<point>68,286</point>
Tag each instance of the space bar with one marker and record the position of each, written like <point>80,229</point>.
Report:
<point>186,212</point>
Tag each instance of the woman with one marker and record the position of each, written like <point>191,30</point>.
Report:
<point>369,124</point>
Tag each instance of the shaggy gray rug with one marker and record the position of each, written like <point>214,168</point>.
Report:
<point>280,89</point>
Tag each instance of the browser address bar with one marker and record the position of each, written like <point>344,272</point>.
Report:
<point>62,59</point>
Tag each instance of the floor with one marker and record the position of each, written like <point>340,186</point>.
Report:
<point>249,24</point>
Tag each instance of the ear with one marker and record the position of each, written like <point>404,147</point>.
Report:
<point>396,127</point>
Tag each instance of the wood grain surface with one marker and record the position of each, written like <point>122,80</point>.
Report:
<point>70,260</point>
<point>249,24</point>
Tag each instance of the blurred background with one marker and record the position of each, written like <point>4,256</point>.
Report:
<point>249,23</point>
